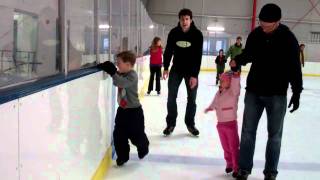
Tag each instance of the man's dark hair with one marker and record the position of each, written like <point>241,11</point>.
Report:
<point>239,37</point>
<point>185,12</point>
<point>127,56</point>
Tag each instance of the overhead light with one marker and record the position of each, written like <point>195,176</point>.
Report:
<point>215,28</point>
<point>216,32</point>
<point>151,26</point>
<point>89,12</point>
<point>104,26</point>
<point>16,16</point>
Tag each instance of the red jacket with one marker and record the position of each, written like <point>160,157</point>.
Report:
<point>156,57</point>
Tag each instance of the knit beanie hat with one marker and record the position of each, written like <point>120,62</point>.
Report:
<point>270,13</point>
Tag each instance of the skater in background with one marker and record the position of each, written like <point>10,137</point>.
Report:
<point>220,64</point>
<point>155,52</point>
<point>225,103</point>
<point>235,49</point>
<point>302,46</point>
<point>129,122</point>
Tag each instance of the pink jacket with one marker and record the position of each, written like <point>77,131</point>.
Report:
<point>226,102</point>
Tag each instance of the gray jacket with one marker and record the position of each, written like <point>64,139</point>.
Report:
<point>127,84</point>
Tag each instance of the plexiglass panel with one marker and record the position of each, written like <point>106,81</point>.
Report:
<point>29,40</point>
<point>104,29</point>
<point>80,33</point>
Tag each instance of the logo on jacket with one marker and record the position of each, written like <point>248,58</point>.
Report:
<point>183,44</point>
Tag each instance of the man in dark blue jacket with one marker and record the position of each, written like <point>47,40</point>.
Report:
<point>184,43</point>
<point>273,51</point>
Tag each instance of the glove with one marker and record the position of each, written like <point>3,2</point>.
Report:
<point>108,67</point>
<point>295,101</point>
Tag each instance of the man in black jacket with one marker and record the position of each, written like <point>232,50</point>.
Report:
<point>273,51</point>
<point>184,43</point>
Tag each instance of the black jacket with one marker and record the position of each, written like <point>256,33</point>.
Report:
<point>275,62</point>
<point>219,62</point>
<point>186,49</point>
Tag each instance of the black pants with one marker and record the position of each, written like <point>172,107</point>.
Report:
<point>173,88</point>
<point>220,70</point>
<point>129,124</point>
<point>155,70</point>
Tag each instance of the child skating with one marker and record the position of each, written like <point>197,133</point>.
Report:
<point>155,51</point>
<point>129,121</point>
<point>225,103</point>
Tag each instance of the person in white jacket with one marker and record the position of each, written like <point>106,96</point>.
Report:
<point>225,103</point>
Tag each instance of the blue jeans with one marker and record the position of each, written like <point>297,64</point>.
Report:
<point>276,107</point>
<point>173,88</point>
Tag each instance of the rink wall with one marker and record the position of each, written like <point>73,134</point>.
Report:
<point>310,68</point>
<point>61,128</point>
<point>208,64</point>
<point>58,130</point>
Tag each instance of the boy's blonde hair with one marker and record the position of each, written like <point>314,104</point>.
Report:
<point>127,56</point>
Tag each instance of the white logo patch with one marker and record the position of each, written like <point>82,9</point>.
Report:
<point>183,44</point>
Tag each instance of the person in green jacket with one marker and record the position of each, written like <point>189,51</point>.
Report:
<point>235,49</point>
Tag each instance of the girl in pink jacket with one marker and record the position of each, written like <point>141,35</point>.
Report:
<point>225,103</point>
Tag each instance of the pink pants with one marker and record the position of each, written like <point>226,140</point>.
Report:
<point>228,133</point>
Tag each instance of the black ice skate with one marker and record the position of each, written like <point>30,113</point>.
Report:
<point>168,130</point>
<point>120,162</point>
<point>193,130</point>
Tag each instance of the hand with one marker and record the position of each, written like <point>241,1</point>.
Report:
<point>229,73</point>
<point>236,74</point>
<point>208,109</point>
<point>108,67</point>
<point>193,82</point>
<point>295,101</point>
<point>165,74</point>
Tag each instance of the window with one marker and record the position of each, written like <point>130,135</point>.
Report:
<point>31,35</point>
<point>212,45</point>
<point>29,41</point>
<point>315,37</point>
<point>80,15</point>
<point>219,46</point>
<point>25,42</point>
<point>206,47</point>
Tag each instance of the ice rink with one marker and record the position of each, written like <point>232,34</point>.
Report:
<point>182,156</point>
